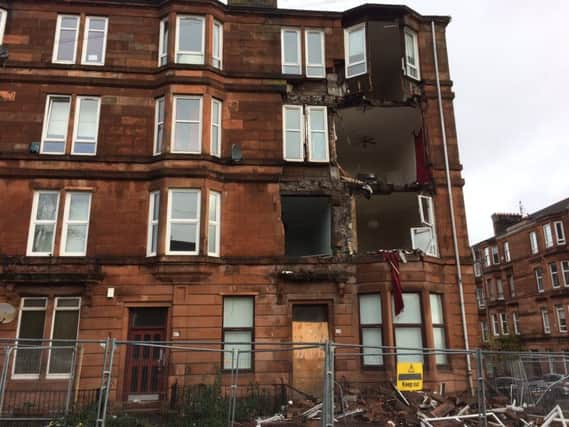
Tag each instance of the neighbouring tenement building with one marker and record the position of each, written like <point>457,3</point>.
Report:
<point>187,170</point>
<point>522,277</point>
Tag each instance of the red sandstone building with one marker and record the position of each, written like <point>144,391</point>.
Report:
<point>522,276</point>
<point>188,170</point>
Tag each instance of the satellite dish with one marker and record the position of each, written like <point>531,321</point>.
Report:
<point>7,313</point>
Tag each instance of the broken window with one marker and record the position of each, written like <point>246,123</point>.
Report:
<point>307,225</point>
<point>371,329</point>
<point>425,238</point>
<point>217,54</point>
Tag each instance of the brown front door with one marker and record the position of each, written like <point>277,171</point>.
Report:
<point>309,325</point>
<point>145,364</point>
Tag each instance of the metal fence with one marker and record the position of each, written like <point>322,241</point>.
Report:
<point>204,383</point>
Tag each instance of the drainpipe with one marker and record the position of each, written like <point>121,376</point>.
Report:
<point>452,219</point>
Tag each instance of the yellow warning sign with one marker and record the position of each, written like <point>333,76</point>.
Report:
<point>409,376</point>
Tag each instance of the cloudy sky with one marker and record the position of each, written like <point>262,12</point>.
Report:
<point>509,62</point>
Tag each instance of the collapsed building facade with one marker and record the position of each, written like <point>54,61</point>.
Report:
<point>189,170</point>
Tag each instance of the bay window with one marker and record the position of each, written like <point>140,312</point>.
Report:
<point>217,53</point>
<point>214,223</point>
<point>439,336</point>
<point>182,236</point>
<point>153,223</point>
<point>190,36</point>
<point>158,125</point>
<point>216,112</point>
<point>187,125</point>
<point>163,42</point>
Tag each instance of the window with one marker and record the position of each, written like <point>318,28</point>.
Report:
<point>371,329</point>
<point>238,328</point>
<point>86,127</point>
<point>294,137</point>
<point>216,112</point>
<point>504,323</point>
<point>355,50</point>
<point>153,223</point>
<point>163,43</point>
<point>487,261</point>
<point>484,331</point>
<point>507,256</point>
<point>539,279</point>
<point>425,237</point>
<point>512,285</point>
<point>545,320</point>
<point>412,54</point>
<point>190,35</point>
<point>183,222</point>
<point>290,51</point>
<point>187,128</point>
<point>65,41</point>
<point>75,224</point>
<point>3,17</point>
<point>214,223</point>
<point>480,298</point>
<point>317,133</point>
<point>554,275</point>
<point>94,41</point>
<point>31,323</point>
<point>533,242</point>
<point>495,256</point>
<point>516,321</point>
<point>437,316</point>
<point>547,235</point>
<point>41,236</point>
<point>561,318</point>
<point>559,231</point>
<point>499,289</point>
<point>55,124</point>
<point>565,268</point>
<point>477,269</point>
<point>491,289</point>
<point>64,326</point>
<point>217,54</point>
<point>314,48</point>
<point>158,125</point>
<point>495,325</point>
<point>408,332</point>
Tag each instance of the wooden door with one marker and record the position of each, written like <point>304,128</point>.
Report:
<point>145,364</point>
<point>309,325</point>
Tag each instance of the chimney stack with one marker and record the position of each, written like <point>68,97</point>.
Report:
<point>502,221</point>
<point>269,4</point>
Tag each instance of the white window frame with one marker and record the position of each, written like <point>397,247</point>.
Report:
<point>516,322</point>
<point>228,354</point>
<point>322,46</point>
<point>480,298</point>
<point>417,67</point>
<point>300,131</point>
<point>369,353</point>
<point>548,235</point>
<point>163,42</point>
<point>441,358</point>
<point>195,221</point>
<point>298,47</point>
<point>560,314</point>
<point>347,33</point>
<point>54,313</point>
<point>554,275</point>
<point>495,255</point>
<point>46,118</point>
<point>200,123</point>
<point>217,26</point>
<point>495,325</point>
<point>559,232</point>
<point>3,18</point>
<point>216,153</point>
<point>200,53</point>
<point>545,321</point>
<point>76,125</point>
<point>487,260</point>
<point>214,197</point>
<point>158,123</point>
<point>534,244</point>
<point>504,327</point>
<point>511,285</point>
<point>84,59</point>
<point>499,290</point>
<point>539,279</point>
<point>428,223</point>
<point>308,109</point>
<point>14,375</point>
<point>56,40</point>
<point>153,222</point>
<point>565,272</point>
<point>67,222</point>
<point>484,330</point>
<point>507,255</point>
<point>34,222</point>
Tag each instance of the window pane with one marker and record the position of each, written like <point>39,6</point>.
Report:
<point>43,238</point>
<point>318,146</point>
<point>184,205</point>
<point>96,24</point>
<point>47,206</point>
<point>58,115</point>
<point>317,119</point>
<point>356,46</point>
<point>69,22</point>
<point>439,335</point>
<point>187,137</point>
<point>423,239</point>
<point>35,302</point>
<point>436,309</point>
<point>155,206</point>
<point>410,48</point>
<point>68,302</point>
<point>76,235</point>
<point>412,311</point>
<point>87,123</point>
<point>356,69</point>
<point>314,41</point>
<point>237,312</point>
<point>84,148</point>
<point>65,328</point>
<point>290,42</point>
<point>370,309</point>
<point>229,357</point>
<point>213,201</point>
<point>372,337</point>
<point>215,112</point>
<point>291,69</point>
<point>215,140</point>
<point>292,118</point>
<point>188,109</point>
<point>211,239</point>
<point>66,45</point>
<point>183,237</point>
<point>95,46</point>
<point>411,338</point>
<point>190,34</point>
<point>293,145</point>
<point>79,207</point>
<point>31,327</point>
<point>312,70</point>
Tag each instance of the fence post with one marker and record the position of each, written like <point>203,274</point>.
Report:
<point>483,419</point>
<point>4,376</point>
<point>110,347</point>
<point>233,386</point>
<point>328,392</point>
<point>71,381</point>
